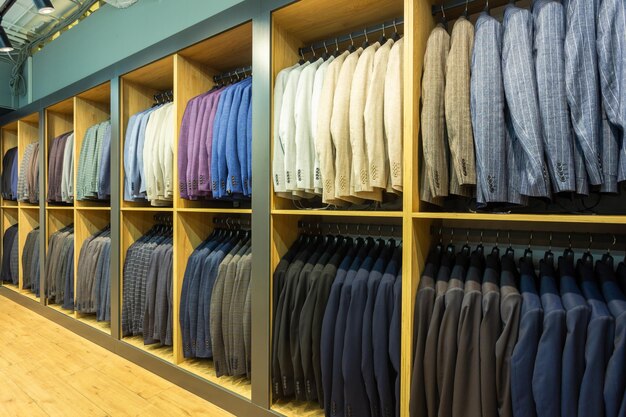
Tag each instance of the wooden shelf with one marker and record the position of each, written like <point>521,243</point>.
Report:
<point>25,293</point>
<point>204,368</point>
<point>90,319</point>
<point>57,307</point>
<point>148,209</point>
<point>67,208</point>
<point>339,213</point>
<point>162,352</point>
<point>28,206</point>
<point>8,206</point>
<point>93,208</point>
<point>298,409</point>
<point>215,210</point>
<point>543,218</point>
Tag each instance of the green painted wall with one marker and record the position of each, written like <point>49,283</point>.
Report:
<point>110,35</point>
<point>6,98</point>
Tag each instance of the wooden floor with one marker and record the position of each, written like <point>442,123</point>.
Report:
<point>46,370</point>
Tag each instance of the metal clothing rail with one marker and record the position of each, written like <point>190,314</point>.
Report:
<point>232,222</point>
<point>506,237</point>
<point>238,72</point>
<point>392,24</point>
<point>388,230</point>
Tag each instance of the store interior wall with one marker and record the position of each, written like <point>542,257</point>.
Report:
<point>104,38</point>
<point>6,98</point>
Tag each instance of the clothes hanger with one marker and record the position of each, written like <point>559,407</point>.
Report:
<point>465,15</point>
<point>367,41</point>
<point>351,48</point>
<point>587,258</point>
<point>509,251</point>
<point>607,258</point>
<point>442,18</point>
<point>568,253</point>
<point>486,9</point>
<point>528,253</point>
<point>480,249</point>
<point>337,52</point>
<point>450,249</point>
<point>439,246</point>
<point>382,38</point>
<point>496,250</point>
<point>302,60</point>
<point>548,257</point>
<point>396,35</point>
<point>325,55</point>
<point>466,249</point>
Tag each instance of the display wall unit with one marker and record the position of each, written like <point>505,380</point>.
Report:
<point>9,218</point>
<point>59,120</point>
<point>9,140</point>
<point>56,219</point>
<point>27,133</point>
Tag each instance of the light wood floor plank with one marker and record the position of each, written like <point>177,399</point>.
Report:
<point>48,371</point>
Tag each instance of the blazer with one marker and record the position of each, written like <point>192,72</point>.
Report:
<point>549,19</point>
<point>304,163</point>
<point>185,144</point>
<point>394,337</point>
<point>316,94</point>
<point>382,333</point>
<point>393,118</point>
<point>361,83</point>
<point>379,151</point>
<point>510,311</point>
<point>433,122</point>
<point>324,145</point>
<point>355,393</point>
<point>520,87</point>
<point>600,339</point>
<point>514,154</point>
<point>218,146</point>
<point>338,385</point>
<point>577,319</point>
<point>231,297</point>
<point>237,351</point>
<point>487,111</point>
<point>278,147</point>
<point>610,154</point>
<point>611,52</point>
<point>104,173</point>
<point>615,380</point>
<point>467,389</point>
<point>329,324</point>
<point>490,329</point>
<point>621,276</point>
<point>457,108</point>
<point>431,357</point>
<point>447,343</point>
<point>242,139</point>
<point>581,69</point>
<point>424,304</point>
<point>525,352</point>
<point>233,167</point>
<point>340,130</point>
<point>546,382</point>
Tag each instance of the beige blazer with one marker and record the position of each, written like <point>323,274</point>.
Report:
<point>340,129</point>
<point>393,113</point>
<point>457,105</point>
<point>434,146</point>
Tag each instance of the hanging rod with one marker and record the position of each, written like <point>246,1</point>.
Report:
<point>454,4</point>
<point>374,230</point>
<point>504,237</point>
<point>235,72</point>
<point>232,222</point>
<point>351,36</point>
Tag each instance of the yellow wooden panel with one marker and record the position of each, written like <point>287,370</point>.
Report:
<point>163,352</point>
<point>223,52</point>
<point>65,107</point>
<point>204,368</point>
<point>339,213</point>
<point>312,20</point>
<point>534,218</point>
<point>31,118</point>
<point>158,75</point>
<point>99,94</point>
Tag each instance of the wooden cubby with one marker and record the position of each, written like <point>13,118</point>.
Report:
<point>308,21</point>
<point>134,224</point>
<point>28,220</point>
<point>195,68</point>
<point>90,108</point>
<point>9,140</point>
<point>137,94</point>
<point>27,133</point>
<point>86,223</point>
<point>59,120</point>
<point>56,219</point>
<point>191,229</point>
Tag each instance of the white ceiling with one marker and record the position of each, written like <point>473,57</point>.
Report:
<point>22,22</point>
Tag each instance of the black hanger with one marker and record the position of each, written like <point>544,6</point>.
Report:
<point>465,15</point>
<point>548,257</point>
<point>587,256</point>
<point>325,55</point>
<point>450,249</point>
<point>496,250</point>
<point>337,52</point>
<point>366,43</point>
<point>568,253</point>
<point>382,38</point>
<point>302,60</point>
<point>607,258</point>
<point>480,249</point>
<point>528,253</point>
<point>442,18</point>
<point>466,249</point>
<point>486,9</point>
<point>396,35</point>
<point>509,250</point>
<point>351,48</point>
<point>439,246</point>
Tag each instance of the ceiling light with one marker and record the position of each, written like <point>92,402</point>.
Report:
<point>44,6</point>
<point>5,42</point>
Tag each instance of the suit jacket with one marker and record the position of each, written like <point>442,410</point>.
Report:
<point>457,104</point>
<point>381,333</point>
<point>546,382</point>
<point>329,324</point>
<point>611,53</point>
<point>520,86</point>
<point>278,146</point>
<point>510,311</point>
<point>190,117</point>
<point>487,105</point>
<point>621,276</point>
<point>316,95</point>
<point>615,380</point>
<point>355,393</point>
<point>338,385</point>
<point>237,354</point>
<point>490,329</point>
<point>447,344</point>
<point>394,338</point>
<point>525,352</point>
<point>433,123</point>
<point>600,339</point>
<point>577,319</point>
<point>581,69</point>
<point>424,304</point>
<point>431,352</point>
<point>393,116</point>
<point>467,389</point>
<point>549,18</point>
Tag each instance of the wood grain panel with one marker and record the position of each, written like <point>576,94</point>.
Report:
<point>158,75</point>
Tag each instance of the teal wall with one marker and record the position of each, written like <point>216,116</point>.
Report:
<point>110,35</point>
<point>6,98</point>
